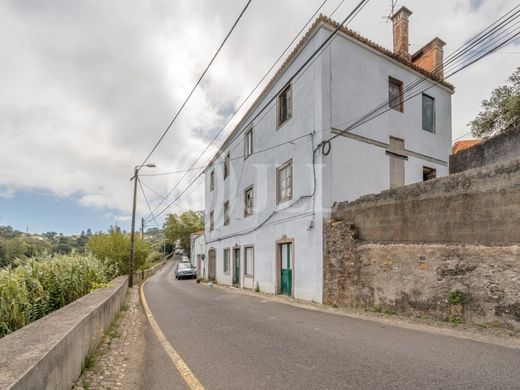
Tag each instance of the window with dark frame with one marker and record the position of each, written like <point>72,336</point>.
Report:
<point>395,94</point>
<point>248,143</point>
<point>284,182</point>
<point>249,258</point>
<point>226,261</point>
<point>226,166</point>
<point>211,220</point>
<point>212,180</point>
<point>248,201</point>
<point>226,213</point>
<point>429,173</point>
<point>285,105</point>
<point>428,113</point>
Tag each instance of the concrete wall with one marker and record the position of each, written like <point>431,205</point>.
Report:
<point>502,147</point>
<point>139,276</point>
<point>49,353</point>
<point>473,283</point>
<point>478,206</point>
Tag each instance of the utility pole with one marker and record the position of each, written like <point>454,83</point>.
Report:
<point>135,178</point>
<point>142,228</point>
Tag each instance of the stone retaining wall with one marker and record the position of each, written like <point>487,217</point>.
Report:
<point>473,283</point>
<point>447,248</point>
<point>500,148</point>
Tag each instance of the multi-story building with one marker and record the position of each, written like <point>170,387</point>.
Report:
<point>276,177</point>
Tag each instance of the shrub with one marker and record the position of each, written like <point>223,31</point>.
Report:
<point>152,259</point>
<point>114,248</point>
<point>38,286</point>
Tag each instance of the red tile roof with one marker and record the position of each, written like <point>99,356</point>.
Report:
<point>461,145</point>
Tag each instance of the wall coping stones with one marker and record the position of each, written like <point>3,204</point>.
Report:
<point>49,352</point>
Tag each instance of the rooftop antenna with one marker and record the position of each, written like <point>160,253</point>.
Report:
<point>386,18</point>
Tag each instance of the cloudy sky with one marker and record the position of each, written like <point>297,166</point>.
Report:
<point>89,86</point>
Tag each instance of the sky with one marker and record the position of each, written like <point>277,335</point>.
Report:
<point>88,87</point>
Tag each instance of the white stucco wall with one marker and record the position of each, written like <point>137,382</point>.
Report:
<point>198,248</point>
<point>359,82</point>
<point>340,86</point>
<point>291,218</point>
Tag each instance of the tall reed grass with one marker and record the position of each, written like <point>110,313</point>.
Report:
<point>36,287</point>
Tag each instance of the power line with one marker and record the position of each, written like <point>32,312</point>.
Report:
<point>309,60</point>
<point>463,51</point>
<point>450,60</point>
<point>357,124</point>
<point>245,100</point>
<point>198,82</point>
<point>234,158</point>
<point>146,199</point>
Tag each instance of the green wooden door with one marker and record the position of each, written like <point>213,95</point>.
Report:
<point>285,269</point>
<point>236,274</point>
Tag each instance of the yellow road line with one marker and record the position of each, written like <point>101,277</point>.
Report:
<point>188,376</point>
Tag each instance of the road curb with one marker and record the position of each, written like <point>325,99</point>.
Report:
<point>185,372</point>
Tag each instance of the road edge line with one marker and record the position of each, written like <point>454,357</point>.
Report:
<point>183,369</point>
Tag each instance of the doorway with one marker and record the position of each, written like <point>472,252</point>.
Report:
<point>285,253</point>
<point>212,264</point>
<point>236,266</point>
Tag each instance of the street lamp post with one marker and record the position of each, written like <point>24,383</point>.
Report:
<point>132,234</point>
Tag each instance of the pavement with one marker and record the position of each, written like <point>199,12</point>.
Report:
<point>118,360</point>
<point>237,341</point>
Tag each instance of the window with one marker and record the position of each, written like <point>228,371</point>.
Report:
<point>226,261</point>
<point>429,173</point>
<point>395,94</point>
<point>248,201</point>
<point>226,213</point>
<point>285,105</point>
<point>211,220</point>
<point>226,166</point>
<point>248,143</point>
<point>249,256</point>
<point>428,113</point>
<point>284,182</point>
<point>212,180</point>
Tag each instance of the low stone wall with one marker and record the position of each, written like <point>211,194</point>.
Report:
<point>502,147</point>
<point>143,275</point>
<point>474,283</point>
<point>49,353</point>
<point>480,206</point>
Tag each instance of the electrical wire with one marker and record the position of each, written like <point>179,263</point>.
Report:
<point>147,203</point>
<point>474,41</point>
<point>244,101</point>
<point>198,82</point>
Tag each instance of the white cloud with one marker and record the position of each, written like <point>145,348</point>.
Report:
<point>88,87</point>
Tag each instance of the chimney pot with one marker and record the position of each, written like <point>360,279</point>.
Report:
<point>400,22</point>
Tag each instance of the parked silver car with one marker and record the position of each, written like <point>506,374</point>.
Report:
<point>185,270</point>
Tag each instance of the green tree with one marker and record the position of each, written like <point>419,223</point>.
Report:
<point>501,112</point>
<point>114,248</point>
<point>181,227</point>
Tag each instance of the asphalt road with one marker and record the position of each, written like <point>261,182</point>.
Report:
<point>233,341</point>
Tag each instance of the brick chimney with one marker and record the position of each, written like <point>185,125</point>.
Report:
<point>431,57</point>
<point>400,20</point>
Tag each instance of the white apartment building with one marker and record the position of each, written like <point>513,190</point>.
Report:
<point>276,177</point>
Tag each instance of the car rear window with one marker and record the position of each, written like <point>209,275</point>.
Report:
<point>184,265</point>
